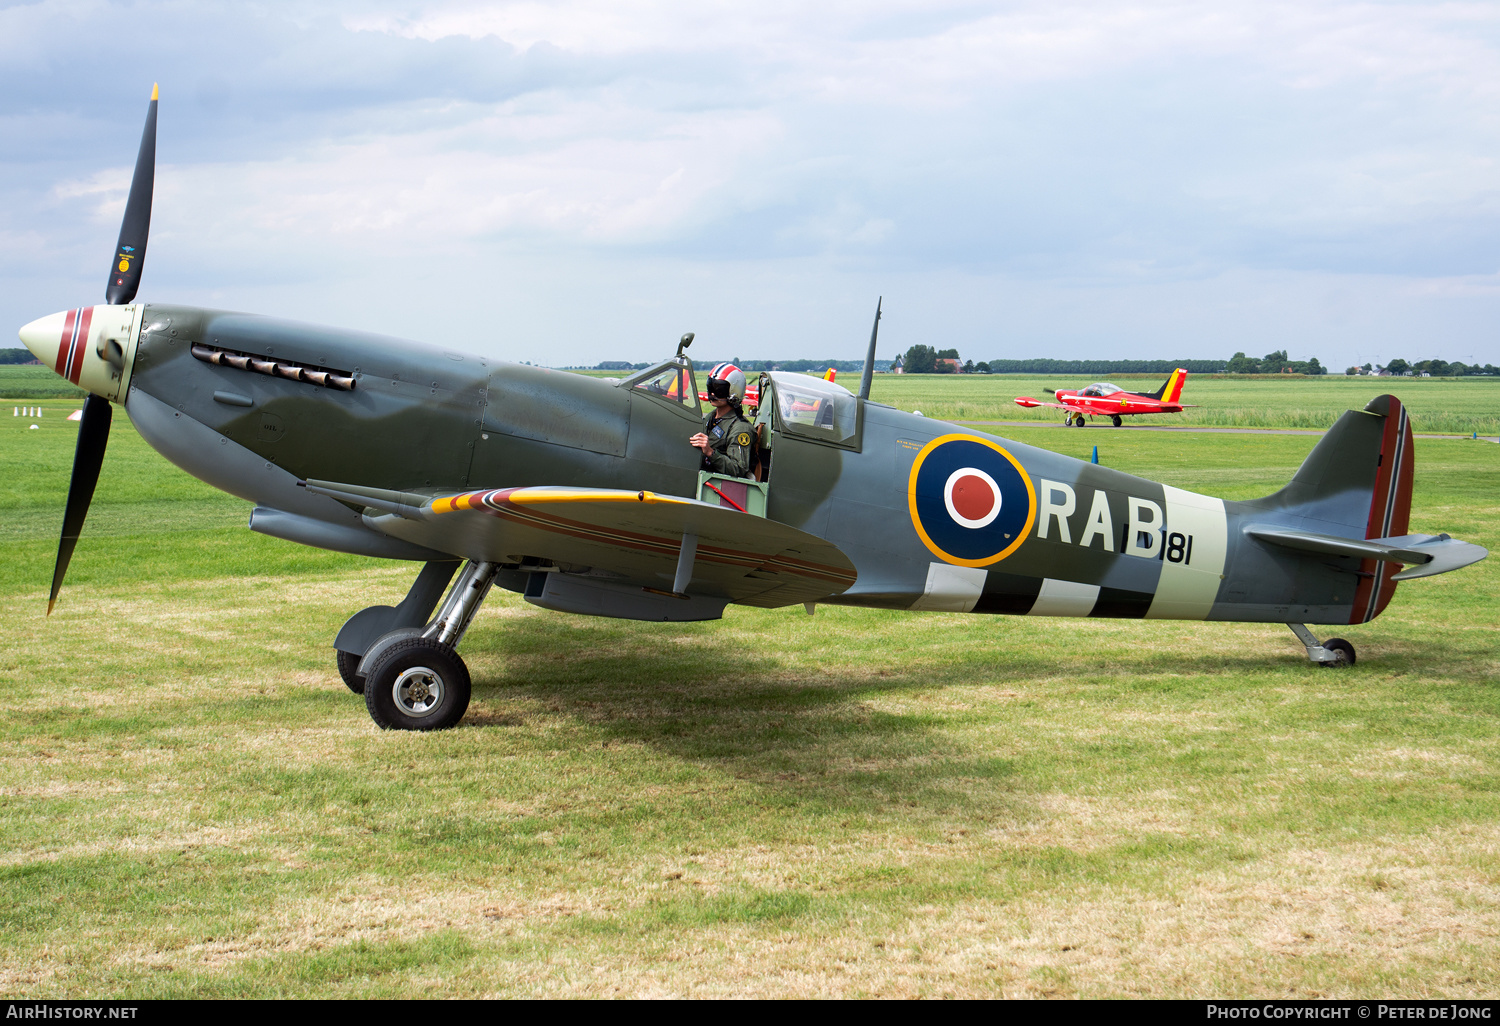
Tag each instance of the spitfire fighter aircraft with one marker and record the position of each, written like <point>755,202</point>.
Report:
<point>582,494</point>
<point>1105,400</point>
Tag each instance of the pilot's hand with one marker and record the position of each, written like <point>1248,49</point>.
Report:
<point>700,441</point>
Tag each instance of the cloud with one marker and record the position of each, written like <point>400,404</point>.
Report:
<point>1027,149</point>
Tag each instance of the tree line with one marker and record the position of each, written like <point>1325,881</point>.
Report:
<point>921,359</point>
<point>1437,368</point>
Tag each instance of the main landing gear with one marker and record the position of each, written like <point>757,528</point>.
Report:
<point>1115,420</point>
<point>1334,653</point>
<point>1074,420</point>
<point>411,674</point>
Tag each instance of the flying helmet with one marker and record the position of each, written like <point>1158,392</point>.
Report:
<point>726,381</point>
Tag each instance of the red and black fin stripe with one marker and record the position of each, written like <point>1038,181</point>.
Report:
<point>1390,507</point>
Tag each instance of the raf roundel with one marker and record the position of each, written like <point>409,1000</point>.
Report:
<point>972,497</point>
<point>970,501</point>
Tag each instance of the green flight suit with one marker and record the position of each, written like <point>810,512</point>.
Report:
<point>732,441</point>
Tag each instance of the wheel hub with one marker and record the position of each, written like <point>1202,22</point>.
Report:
<point>417,691</point>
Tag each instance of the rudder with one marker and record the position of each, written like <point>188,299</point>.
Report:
<point>1390,506</point>
<point>1357,483</point>
<point>1171,389</point>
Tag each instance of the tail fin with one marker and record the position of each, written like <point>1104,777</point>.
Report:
<point>1171,389</point>
<point>1357,483</point>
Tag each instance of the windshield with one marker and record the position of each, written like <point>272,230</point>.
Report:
<point>813,408</point>
<point>1102,388</point>
<point>672,382</point>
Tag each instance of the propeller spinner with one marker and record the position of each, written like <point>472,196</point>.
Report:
<point>63,341</point>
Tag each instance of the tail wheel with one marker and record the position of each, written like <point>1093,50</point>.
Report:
<point>349,671</point>
<point>417,684</point>
<point>1343,649</point>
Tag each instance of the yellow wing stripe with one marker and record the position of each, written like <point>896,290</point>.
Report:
<point>548,496</point>
<point>532,496</point>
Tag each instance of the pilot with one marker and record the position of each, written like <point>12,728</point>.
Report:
<point>727,439</point>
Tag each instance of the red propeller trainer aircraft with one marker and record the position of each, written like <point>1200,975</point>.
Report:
<point>1106,400</point>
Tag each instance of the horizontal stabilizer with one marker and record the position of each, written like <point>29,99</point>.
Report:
<point>1425,555</point>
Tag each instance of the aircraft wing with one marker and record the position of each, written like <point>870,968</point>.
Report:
<point>633,538</point>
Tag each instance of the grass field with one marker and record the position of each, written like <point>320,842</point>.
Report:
<point>1438,405</point>
<point>27,381</point>
<point>856,803</point>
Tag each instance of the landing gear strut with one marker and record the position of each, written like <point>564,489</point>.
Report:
<point>367,626</point>
<point>1334,653</point>
<point>406,665</point>
<point>414,678</point>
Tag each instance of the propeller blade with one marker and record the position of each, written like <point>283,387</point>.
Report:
<point>93,435</point>
<point>130,254</point>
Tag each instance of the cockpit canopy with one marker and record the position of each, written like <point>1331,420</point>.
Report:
<point>672,382</point>
<point>812,408</point>
<point>1099,389</point>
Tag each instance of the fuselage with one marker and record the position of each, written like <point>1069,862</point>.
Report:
<point>933,515</point>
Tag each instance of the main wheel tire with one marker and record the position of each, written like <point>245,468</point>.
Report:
<point>1343,648</point>
<point>348,667</point>
<point>1116,419</point>
<point>417,684</point>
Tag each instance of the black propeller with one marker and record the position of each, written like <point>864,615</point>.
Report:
<point>93,435</point>
<point>130,253</point>
<point>124,279</point>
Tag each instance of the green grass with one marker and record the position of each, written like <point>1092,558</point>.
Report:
<point>855,803</point>
<point>27,381</point>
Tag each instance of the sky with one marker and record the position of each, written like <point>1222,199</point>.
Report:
<point>569,182</point>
